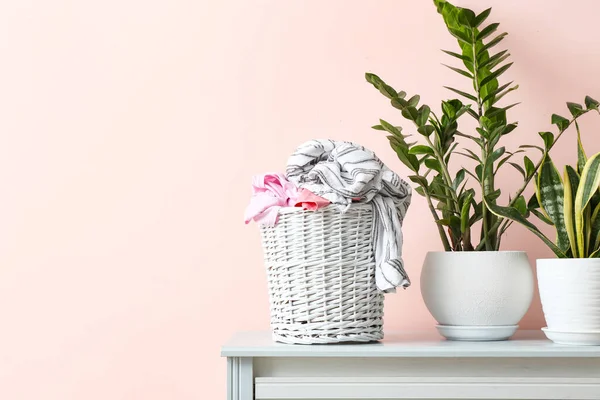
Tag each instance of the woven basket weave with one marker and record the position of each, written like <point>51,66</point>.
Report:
<point>321,275</point>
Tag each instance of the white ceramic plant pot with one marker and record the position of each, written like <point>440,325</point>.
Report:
<point>570,293</point>
<point>477,295</point>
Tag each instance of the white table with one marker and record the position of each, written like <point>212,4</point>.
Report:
<point>413,365</point>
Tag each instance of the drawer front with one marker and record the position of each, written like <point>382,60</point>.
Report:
<point>379,388</point>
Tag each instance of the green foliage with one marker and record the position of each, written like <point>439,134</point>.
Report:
<point>454,204</point>
<point>573,208</point>
<point>570,204</point>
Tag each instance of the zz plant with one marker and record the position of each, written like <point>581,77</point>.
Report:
<point>455,204</point>
<point>570,204</point>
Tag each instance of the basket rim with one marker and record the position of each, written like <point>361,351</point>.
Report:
<point>291,210</point>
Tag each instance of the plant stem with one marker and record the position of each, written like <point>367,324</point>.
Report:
<point>436,218</point>
<point>503,227</point>
<point>467,246</point>
<point>487,183</point>
<point>445,175</point>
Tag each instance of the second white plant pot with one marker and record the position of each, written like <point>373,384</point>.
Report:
<point>477,296</point>
<point>570,294</point>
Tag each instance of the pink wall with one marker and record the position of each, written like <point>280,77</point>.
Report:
<point>130,130</point>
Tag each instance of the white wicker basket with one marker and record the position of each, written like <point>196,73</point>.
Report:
<point>321,274</point>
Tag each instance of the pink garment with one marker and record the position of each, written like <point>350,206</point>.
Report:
<point>310,201</point>
<point>269,193</point>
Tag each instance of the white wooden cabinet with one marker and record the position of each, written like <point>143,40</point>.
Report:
<point>414,365</point>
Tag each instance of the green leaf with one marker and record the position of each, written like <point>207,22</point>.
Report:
<point>590,103</point>
<point>518,168</point>
<point>494,60</point>
<point>449,111</point>
<point>426,130</point>
<point>378,127</point>
<point>496,133</point>
<point>420,191</point>
<point>509,128</point>
<point>575,109</point>
<point>548,138</point>
<point>462,36</point>
<point>373,79</point>
<point>449,152</point>
<point>444,221</point>
<point>466,16</point>
<point>493,196</point>
<point>487,31</point>
<point>477,212</point>
<point>551,197</point>
<point>464,213</point>
<point>590,178</point>
<point>514,215</point>
<point>414,101</point>
<point>529,166</point>
<point>420,180</point>
<point>421,149</point>
<point>470,155</point>
<point>502,162</point>
<point>462,57</point>
<point>401,149</point>
<point>473,114</point>
<point>495,74</point>
<point>455,226</point>
<point>479,172</point>
<point>560,121</point>
<point>595,229</point>
<point>390,128</point>
<point>507,91</point>
<point>495,92</point>
<point>460,71</point>
<point>581,157</point>
<point>462,110</point>
<point>505,159</point>
<point>491,44</point>
<point>586,227</point>
<point>440,197</point>
<point>532,204</point>
<point>499,114</point>
<point>433,164</point>
<point>496,154</point>
<point>595,254</point>
<point>542,217</point>
<point>571,182</point>
<point>460,176</point>
<point>410,113</point>
<point>464,94</point>
<point>521,205</point>
<point>531,146</point>
<point>424,112</point>
<point>481,17</point>
<point>387,90</point>
<point>399,103</point>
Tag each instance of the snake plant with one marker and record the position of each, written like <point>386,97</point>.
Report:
<point>455,204</point>
<point>570,204</point>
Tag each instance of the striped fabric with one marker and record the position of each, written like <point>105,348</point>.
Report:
<point>343,171</point>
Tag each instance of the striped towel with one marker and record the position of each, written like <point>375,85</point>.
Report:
<point>343,171</point>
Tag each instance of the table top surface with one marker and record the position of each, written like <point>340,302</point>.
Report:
<point>407,344</point>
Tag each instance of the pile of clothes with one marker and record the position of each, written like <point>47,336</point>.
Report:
<point>324,172</point>
<point>273,191</point>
